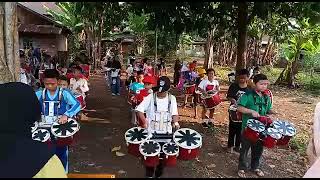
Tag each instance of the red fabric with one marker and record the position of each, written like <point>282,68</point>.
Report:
<point>139,97</point>
<point>149,79</point>
<point>210,88</point>
<point>71,75</point>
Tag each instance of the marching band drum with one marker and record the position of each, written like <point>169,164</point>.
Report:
<point>189,142</point>
<point>150,150</point>
<point>81,100</point>
<point>171,151</point>
<point>272,136</point>
<point>189,89</point>
<point>211,100</point>
<point>286,129</point>
<point>253,130</point>
<point>134,137</point>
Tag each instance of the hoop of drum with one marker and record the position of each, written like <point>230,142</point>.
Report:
<point>63,132</point>
<point>271,133</point>
<point>183,144</point>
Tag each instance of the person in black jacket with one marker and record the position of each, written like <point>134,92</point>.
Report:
<point>176,75</point>
<point>115,79</point>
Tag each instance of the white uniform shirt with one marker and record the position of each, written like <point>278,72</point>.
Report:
<point>82,83</point>
<point>204,83</point>
<point>158,120</point>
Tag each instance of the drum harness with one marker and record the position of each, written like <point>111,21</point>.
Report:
<point>44,92</point>
<point>156,110</point>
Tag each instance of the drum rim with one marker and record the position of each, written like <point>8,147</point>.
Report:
<point>287,123</point>
<point>153,154</point>
<point>73,133</point>
<point>188,85</point>
<point>170,154</point>
<point>47,135</point>
<point>209,95</point>
<point>273,135</point>
<point>135,142</point>
<point>250,120</point>
<point>191,147</point>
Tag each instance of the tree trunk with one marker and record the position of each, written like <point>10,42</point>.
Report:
<point>9,43</point>
<point>209,50</point>
<point>266,51</point>
<point>242,35</point>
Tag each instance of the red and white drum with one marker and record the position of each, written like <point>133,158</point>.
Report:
<point>253,130</point>
<point>234,114</point>
<point>41,135</point>
<point>150,150</point>
<point>273,135</point>
<point>134,137</point>
<point>189,142</point>
<point>81,100</point>
<point>171,151</point>
<point>210,101</point>
<point>286,129</point>
<point>65,132</point>
<point>189,88</point>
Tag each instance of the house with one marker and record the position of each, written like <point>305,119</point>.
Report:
<point>38,30</point>
<point>125,41</point>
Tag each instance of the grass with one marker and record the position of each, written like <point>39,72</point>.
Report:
<point>300,143</point>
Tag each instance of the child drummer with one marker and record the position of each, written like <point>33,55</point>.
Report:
<point>207,86</point>
<point>64,105</point>
<point>235,91</point>
<point>197,93</point>
<point>164,105</point>
<point>253,104</point>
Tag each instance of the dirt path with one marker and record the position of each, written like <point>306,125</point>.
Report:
<point>109,118</point>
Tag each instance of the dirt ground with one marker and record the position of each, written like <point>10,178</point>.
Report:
<point>109,118</point>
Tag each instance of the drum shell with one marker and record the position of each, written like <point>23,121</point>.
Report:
<point>212,101</point>
<point>151,161</point>
<point>284,141</point>
<point>190,89</point>
<point>265,120</point>
<point>170,160</point>
<point>269,142</point>
<point>188,154</point>
<point>251,135</point>
<point>133,149</point>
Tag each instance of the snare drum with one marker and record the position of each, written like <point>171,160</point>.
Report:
<point>189,88</point>
<point>286,129</point>
<point>210,101</point>
<point>34,127</point>
<point>189,142</point>
<point>81,100</point>
<point>253,130</point>
<point>134,137</point>
<point>41,135</point>
<point>273,135</point>
<point>267,121</point>
<point>171,151</point>
<point>150,150</point>
<point>65,132</point>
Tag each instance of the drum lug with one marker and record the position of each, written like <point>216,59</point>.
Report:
<point>189,151</point>
<point>166,156</point>
<point>127,143</point>
<point>144,157</point>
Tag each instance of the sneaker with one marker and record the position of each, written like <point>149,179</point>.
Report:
<point>113,94</point>
<point>118,94</point>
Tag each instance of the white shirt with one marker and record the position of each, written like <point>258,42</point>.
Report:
<point>147,106</point>
<point>23,76</point>
<point>130,70</point>
<point>204,83</point>
<point>82,83</point>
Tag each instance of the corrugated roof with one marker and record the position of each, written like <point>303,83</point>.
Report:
<point>39,29</point>
<point>39,7</point>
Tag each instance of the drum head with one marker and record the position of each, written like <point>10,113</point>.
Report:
<point>41,135</point>
<point>187,138</point>
<point>274,133</point>
<point>170,149</point>
<point>256,125</point>
<point>150,148</point>
<point>286,128</point>
<point>35,126</point>
<point>136,135</point>
<point>65,130</point>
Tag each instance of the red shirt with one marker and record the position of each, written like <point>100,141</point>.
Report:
<point>139,97</point>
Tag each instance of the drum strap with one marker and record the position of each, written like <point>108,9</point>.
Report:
<point>44,92</point>
<point>155,102</point>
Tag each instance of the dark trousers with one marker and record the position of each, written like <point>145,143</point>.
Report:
<point>115,85</point>
<point>176,77</point>
<point>155,171</point>
<point>234,138</point>
<point>256,153</point>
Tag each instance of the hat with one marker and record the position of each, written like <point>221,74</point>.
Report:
<point>201,71</point>
<point>163,84</point>
<point>149,79</point>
